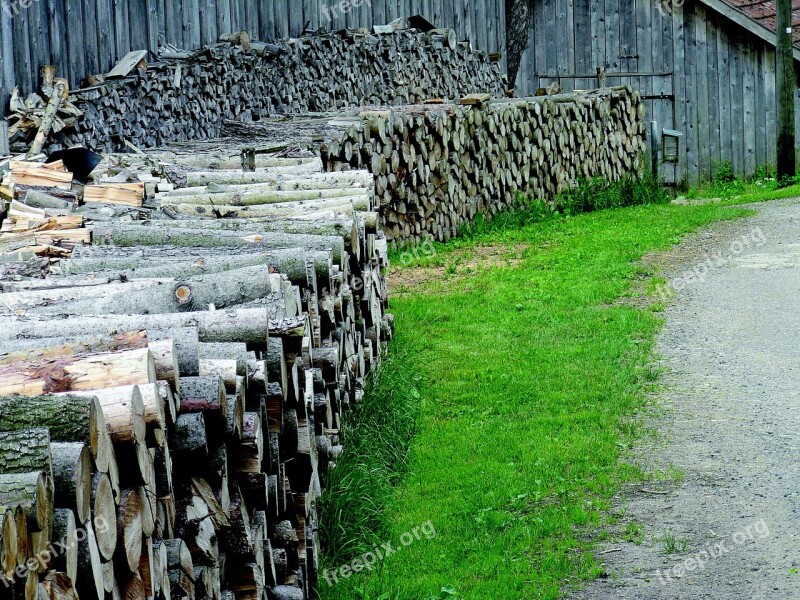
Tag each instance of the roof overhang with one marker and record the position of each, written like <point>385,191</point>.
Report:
<point>741,19</point>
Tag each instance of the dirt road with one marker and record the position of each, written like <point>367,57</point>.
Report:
<point>729,526</point>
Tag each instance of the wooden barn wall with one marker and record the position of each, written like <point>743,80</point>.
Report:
<point>701,74</point>
<point>86,37</point>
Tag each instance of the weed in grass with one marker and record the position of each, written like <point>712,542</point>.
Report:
<point>634,532</point>
<point>671,544</point>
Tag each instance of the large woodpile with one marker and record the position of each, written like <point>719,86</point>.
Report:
<point>436,168</point>
<point>187,95</point>
<point>171,396</point>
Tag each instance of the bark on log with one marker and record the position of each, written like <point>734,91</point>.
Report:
<point>32,491</point>
<point>26,450</point>
<point>32,376</point>
<point>250,326</point>
<point>187,294</point>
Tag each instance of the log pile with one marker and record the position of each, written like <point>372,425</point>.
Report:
<point>171,396</point>
<point>436,168</point>
<point>187,95</point>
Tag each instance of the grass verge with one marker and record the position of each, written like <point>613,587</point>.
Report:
<point>528,379</point>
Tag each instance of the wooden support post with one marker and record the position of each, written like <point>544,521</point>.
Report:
<point>786,88</point>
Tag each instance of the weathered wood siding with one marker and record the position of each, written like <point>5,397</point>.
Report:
<point>85,37</point>
<point>700,73</point>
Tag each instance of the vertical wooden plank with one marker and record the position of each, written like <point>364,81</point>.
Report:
<point>223,16</point>
<point>122,30</point>
<point>643,46</point>
<point>162,21</point>
<point>296,18</point>
<point>208,22</point>
<point>559,60</point>
<point>770,106</point>
<point>379,12</point>
<point>7,79</point>
<point>691,135</point>
<point>737,126</point>
<point>191,24</point>
<point>748,101</point>
<point>583,25</point>
<point>678,83</point>
<point>173,23</point>
<point>138,18</point>
<point>712,32</point>
<point>480,40</point>
<point>612,36</point>
<point>282,8</point>
<point>39,27</point>
<point>22,53</point>
<point>266,20</point>
<point>236,20</point>
<point>760,106</point>
<point>627,38</point>
<point>57,19</point>
<point>391,11</point>
<point>76,48</point>
<point>701,85</point>
<point>84,17</point>
<point>598,34</point>
<point>551,58</point>
<point>724,77</point>
<point>151,8</point>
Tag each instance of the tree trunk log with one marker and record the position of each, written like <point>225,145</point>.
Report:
<point>72,477</point>
<point>250,326</point>
<point>32,376</point>
<point>33,492</point>
<point>65,531</point>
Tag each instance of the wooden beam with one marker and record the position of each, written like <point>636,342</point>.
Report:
<point>784,74</point>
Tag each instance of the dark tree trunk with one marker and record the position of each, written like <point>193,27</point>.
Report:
<point>519,14</point>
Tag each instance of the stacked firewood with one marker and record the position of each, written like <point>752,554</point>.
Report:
<point>187,95</point>
<point>437,167</point>
<point>171,396</point>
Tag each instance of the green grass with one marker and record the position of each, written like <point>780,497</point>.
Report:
<point>529,380</point>
<point>763,186</point>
